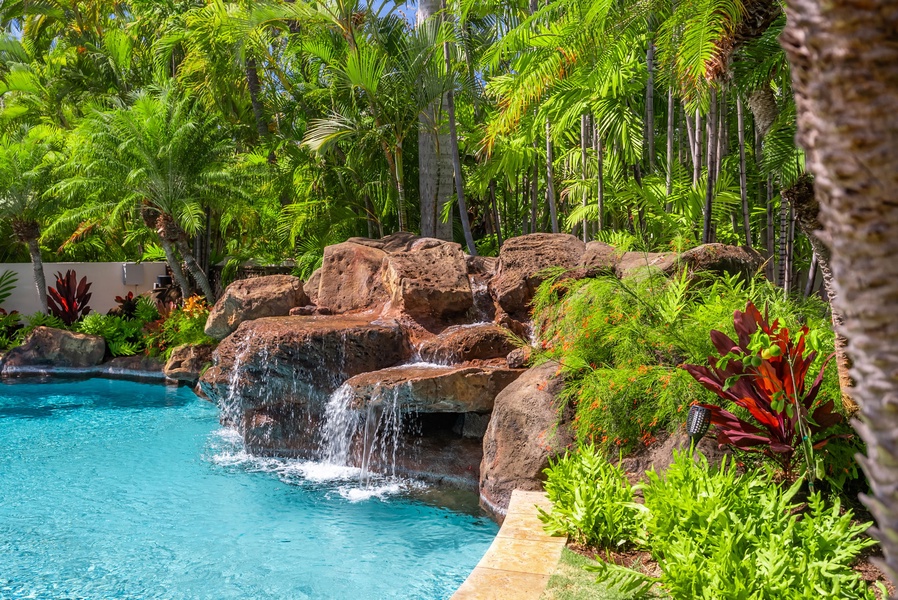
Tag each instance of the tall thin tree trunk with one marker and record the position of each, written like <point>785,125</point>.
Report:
<point>40,281</point>
<point>690,134</point>
<point>712,151</point>
<point>697,153</point>
<point>743,177</point>
<point>495,208</point>
<point>670,143</point>
<point>255,93</point>
<point>456,160</point>
<point>812,276</point>
<point>771,231</point>
<point>534,191</point>
<point>584,136</point>
<point>435,168</point>
<point>550,178</point>
<point>650,104</point>
<point>600,177</point>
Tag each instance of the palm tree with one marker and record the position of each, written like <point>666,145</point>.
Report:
<point>24,165</point>
<point>435,165</point>
<point>163,157</point>
<point>845,75</point>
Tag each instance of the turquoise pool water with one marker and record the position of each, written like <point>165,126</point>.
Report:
<point>112,489</point>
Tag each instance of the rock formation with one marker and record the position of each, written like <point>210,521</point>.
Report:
<point>248,299</point>
<point>46,346</point>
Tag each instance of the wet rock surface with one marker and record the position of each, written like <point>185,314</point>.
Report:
<point>299,360</point>
<point>255,298</point>
<point>431,389</point>
<point>463,343</point>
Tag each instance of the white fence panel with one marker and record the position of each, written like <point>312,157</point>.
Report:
<point>108,281</point>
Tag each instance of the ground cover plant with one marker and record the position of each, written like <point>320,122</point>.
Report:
<point>716,532</point>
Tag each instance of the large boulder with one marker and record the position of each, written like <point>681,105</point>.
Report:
<point>599,257</point>
<point>248,299</point>
<point>462,343</point>
<point>428,389</point>
<point>312,285</point>
<point>300,360</point>
<point>638,263</point>
<point>428,281</point>
<point>350,277</point>
<point>49,347</point>
<point>524,432</point>
<point>521,262</point>
<point>187,362</point>
<point>721,258</point>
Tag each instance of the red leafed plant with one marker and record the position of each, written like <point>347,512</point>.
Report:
<point>68,300</point>
<point>766,373</point>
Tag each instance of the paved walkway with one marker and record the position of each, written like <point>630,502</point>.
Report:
<point>521,559</point>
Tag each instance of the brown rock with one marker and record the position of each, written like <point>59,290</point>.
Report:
<point>350,277</point>
<point>188,361</point>
<point>402,241</point>
<point>721,258</point>
<point>312,285</point>
<point>248,299</point>
<point>659,456</point>
<point>634,263</point>
<point>482,266</point>
<point>299,361</point>
<point>309,311</point>
<point>523,433</point>
<point>461,343</point>
<point>599,257</point>
<point>428,281</point>
<point>522,259</point>
<point>426,389</point>
<point>519,357</point>
<point>46,346</point>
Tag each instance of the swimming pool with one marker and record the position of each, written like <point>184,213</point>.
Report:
<point>112,489</point>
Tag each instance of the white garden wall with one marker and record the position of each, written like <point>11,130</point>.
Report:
<point>108,279</point>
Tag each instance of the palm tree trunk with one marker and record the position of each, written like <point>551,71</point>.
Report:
<point>743,178</point>
<point>650,104</point>
<point>584,135</point>
<point>40,281</point>
<point>812,276</point>
<point>175,265</point>
<point>550,178</point>
<point>697,152</point>
<point>670,144</point>
<point>534,191</point>
<point>456,161</point>
<point>495,208</point>
<point>435,168</point>
<point>845,76</point>
<point>712,150</point>
<point>600,176</point>
<point>255,93</point>
<point>196,271</point>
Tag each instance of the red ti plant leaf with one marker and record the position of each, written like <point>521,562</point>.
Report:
<point>769,383</point>
<point>68,300</point>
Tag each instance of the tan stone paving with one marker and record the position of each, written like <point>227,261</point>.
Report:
<point>520,560</point>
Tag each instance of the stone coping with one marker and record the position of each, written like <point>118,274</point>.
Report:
<point>518,564</point>
<point>103,370</point>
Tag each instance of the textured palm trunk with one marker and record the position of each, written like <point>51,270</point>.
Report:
<point>40,281</point>
<point>845,76</point>
<point>550,178</point>
<point>650,105</point>
<point>456,160</point>
<point>697,150</point>
<point>670,144</point>
<point>712,151</point>
<point>584,136</point>
<point>743,179</point>
<point>193,266</point>
<point>495,210</point>
<point>175,265</point>
<point>600,176</point>
<point>435,169</point>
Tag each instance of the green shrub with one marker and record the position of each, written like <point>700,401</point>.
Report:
<point>124,337</point>
<point>184,325</point>
<point>592,501</point>
<point>619,344</point>
<point>718,534</point>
